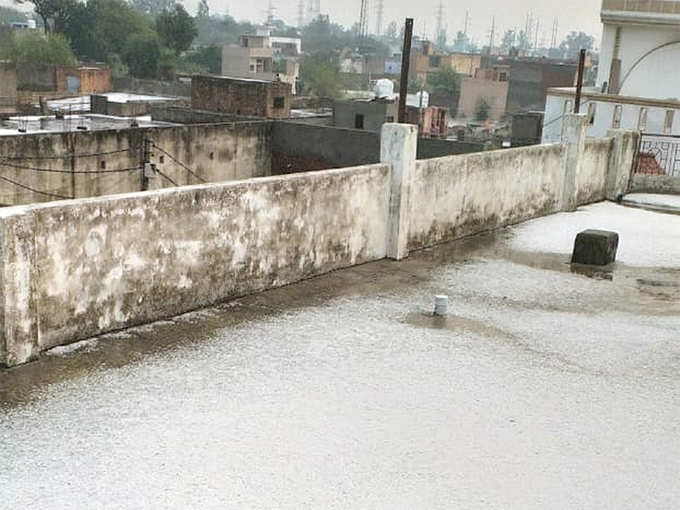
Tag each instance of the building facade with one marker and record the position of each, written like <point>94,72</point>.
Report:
<point>637,85</point>
<point>260,56</point>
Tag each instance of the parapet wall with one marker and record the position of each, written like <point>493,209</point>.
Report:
<point>48,166</point>
<point>76,269</point>
<point>460,195</point>
<point>331,147</point>
<point>71,270</point>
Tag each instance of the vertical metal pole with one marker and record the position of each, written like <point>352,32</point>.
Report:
<point>405,61</point>
<point>579,81</point>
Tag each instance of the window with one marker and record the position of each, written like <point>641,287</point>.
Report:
<point>503,77</point>
<point>618,111</point>
<point>568,106</point>
<point>102,165</point>
<point>642,119</point>
<point>212,156</point>
<point>252,68</point>
<point>161,160</point>
<point>435,61</point>
<point>279,103</point>
<point>359,121</point>
<point>668,122</point>
<point>592,110</point>
<point>390,119</point>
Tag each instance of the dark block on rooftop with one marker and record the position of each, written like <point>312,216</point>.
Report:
<point>595,248</point>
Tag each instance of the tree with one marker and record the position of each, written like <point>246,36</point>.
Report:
<point>153,7</point>
<point>203,9</point>
<point>445,81</point>
<point>45,9</point>
<point>575,42</point>
<point>461,43</point>
<point>99,28</point>
<point>207,58</point>
<point>7,15</point>
<point>33,48</point>
<point>320,75</point>
<point>141,54</point>
<point>392,32</point>
<point>508,41</point>
<point>176,29</point>
<point>482,110</point>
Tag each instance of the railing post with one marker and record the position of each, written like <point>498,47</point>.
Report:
<point>398,147</point>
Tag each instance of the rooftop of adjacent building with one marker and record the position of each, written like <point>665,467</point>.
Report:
<point>325,392</point>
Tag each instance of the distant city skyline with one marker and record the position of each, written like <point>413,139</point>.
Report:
<point>573,15</point>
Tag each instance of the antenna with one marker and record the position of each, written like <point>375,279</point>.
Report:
<point>363,20</point>
<point>271,13</point>
<point>492,36</point>
<point>440,36</point>
<point>553,41</point>
<point>379,17</point>
<point>301,13</point>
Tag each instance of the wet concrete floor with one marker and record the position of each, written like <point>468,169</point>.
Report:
<point>547,386</point>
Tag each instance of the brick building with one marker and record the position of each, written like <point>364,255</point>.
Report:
<point>243,97</point>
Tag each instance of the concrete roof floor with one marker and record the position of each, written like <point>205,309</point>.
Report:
<point>545,387</point>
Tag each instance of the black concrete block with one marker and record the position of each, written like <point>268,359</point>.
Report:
<point>595,248</point>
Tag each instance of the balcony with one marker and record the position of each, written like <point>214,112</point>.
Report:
<point>655,12</point>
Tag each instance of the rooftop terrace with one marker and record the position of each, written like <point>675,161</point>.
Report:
<point>545,387</point>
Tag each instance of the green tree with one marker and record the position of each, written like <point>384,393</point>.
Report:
<point>34,48</point>
<point>445,81</point>
<point>320,75</point>
<point>142,54</point>
<point>508,42</point>
<point>7,15</point>
<point>203,9</point>
<point>45,9</point>
<point>176,29</point>
<point>101,28</point>
<point>482,110</point>
<point>206,59</point>
<point>392,32</point>
<point>153,7</point>
<point>575,42</point>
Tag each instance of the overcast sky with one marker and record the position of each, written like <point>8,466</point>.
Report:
<point>573,15</point>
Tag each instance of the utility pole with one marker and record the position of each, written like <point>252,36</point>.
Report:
<point>405,62</point>
<point>553,41</point>
<point>579,83</point>
<point>379,17</point>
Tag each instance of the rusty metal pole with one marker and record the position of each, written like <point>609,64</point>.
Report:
<point>405,61</point>
<point>579,81</point>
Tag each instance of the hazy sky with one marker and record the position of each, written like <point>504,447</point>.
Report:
<point>572,14</point>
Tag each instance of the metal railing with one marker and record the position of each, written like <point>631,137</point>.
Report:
<point>658,155</point>
<point>643,6</point>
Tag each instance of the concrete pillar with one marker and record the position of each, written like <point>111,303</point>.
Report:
<point>574,127</point>
<point>621,161</point>
<point>398,146</point>
<point>18,305</point>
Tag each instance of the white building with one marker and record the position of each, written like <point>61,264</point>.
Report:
<point>638,83</point>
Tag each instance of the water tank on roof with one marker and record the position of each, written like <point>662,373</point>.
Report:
<point>384,89</point>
